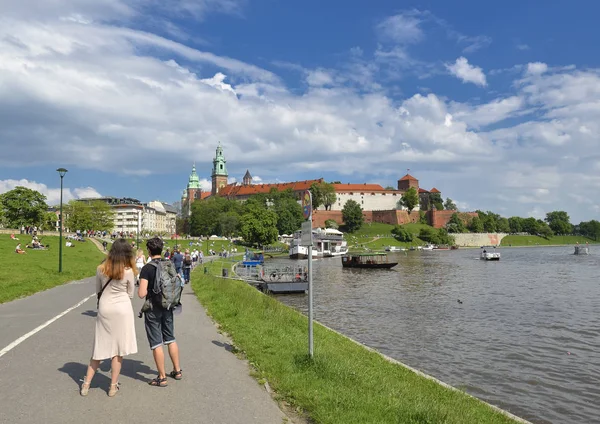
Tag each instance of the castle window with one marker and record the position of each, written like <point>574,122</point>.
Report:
<point>221,166</point>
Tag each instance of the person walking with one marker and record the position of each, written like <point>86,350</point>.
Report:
<point>115,330</point>
<point>140,261</point>
<point>187,266</point>
<point>158,321</point>
<point>178,262</point>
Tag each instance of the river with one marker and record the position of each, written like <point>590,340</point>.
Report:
<point>521,333</point>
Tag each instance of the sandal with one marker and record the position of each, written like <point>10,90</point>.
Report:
<point>158,382</point>
<point>85,387</point>
<point>176,374</point>
<point>114,388</point>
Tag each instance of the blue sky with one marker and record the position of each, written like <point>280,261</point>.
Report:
<point>495,104</point>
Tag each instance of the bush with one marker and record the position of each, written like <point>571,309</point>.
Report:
<point>402,234</point>
<point>330,223</point>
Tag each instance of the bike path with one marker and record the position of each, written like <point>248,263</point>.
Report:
<point>41,375</point>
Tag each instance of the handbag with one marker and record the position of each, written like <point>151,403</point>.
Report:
<point>99,294</point>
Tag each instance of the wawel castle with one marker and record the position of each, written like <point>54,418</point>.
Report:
<point>373,198</point>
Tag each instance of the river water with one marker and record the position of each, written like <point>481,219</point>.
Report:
<point>525,335</point>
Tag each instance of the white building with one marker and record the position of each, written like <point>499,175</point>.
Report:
<point>370,197</point>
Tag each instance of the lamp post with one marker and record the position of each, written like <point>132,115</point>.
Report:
<point>61,172</point>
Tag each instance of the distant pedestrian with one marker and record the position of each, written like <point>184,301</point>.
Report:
<point>178,262</point>
<point>104,244</point>
<point>115,329</point>
<point>187,266</point>
<point>158,320</point>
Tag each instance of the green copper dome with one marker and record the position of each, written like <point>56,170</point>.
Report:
<point>219,162</point>
<point>194,181</point>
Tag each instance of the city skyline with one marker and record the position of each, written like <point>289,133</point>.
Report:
<point>495,105</point>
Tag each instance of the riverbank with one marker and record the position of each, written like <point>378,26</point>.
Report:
<point>37,270</point>
<point>518,241</point>
<point>344,382</point>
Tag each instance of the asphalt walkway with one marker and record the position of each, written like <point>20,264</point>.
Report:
<point>41,368</point>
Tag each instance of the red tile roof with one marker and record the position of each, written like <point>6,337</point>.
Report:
<point>205,194</point>
<point>345,188</point>
<point>408,177</point>
<point>235,190</point>
<point>434,190</point>
<point>422,190</point>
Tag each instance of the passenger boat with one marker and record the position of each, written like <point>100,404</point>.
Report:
<point>279,280</point>
<point>427,247</point>
<point>489,256</point>
<point>581,250</point>
<point>327,242</point>
<point>367,260</point>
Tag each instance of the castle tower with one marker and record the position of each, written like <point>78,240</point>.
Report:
<point>247,178</point>
<point>193,191</point>
<point>407,182</point>
<point>219,172</point>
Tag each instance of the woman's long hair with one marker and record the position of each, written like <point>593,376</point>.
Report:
<point>119,257</point>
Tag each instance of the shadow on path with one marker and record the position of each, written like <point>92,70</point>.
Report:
<point>90,313</point>
<point>130,368</point>
<point>226,346</point>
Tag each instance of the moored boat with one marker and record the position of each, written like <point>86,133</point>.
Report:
<point>367,260</point>
<point>395,249</point>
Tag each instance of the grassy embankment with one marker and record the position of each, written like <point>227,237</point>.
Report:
<point>514,240</point>
<point>344,382</point>
<point>376,236</point>
<point>23,275</point>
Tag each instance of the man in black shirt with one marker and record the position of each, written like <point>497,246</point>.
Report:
<point>158,321</point>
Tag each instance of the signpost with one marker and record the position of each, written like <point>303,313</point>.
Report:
<point>307,241</point>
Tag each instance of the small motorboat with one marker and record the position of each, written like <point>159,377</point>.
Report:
<point>489,256</point>
<point>428,247</point>
<point>581,250</point>
<point>367,260</point>
<point>395,249</point>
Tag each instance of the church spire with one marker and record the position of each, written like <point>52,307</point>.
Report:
<point>219,172</point>
<point>194,181</point>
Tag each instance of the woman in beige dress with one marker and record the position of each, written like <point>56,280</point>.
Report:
<point>115,328</point>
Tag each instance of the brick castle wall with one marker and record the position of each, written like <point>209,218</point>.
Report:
<point>437,219</point>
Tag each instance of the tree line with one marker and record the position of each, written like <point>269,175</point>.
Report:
<point>23,206</point>
<point>555,223</point>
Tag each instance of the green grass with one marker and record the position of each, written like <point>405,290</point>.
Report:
<point>376,236</point>
<point>514,240</point>
<point>344,382</point>
<point>23,275</point>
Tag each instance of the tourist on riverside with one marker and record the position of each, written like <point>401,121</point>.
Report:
<point>178,262</point>
<point>158,320</point>
<point>115,329</point>
<point>187,266</point>
<point>140,261</point>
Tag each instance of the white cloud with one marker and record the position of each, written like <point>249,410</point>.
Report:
<point>319,77</point>
<point>467,72</point>
<point>536,68</point>
<point>120,100</point>
<point>52,194</point>
<point>522,46</point>
<point>401,28</point>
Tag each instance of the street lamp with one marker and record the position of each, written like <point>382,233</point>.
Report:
<point>61,172</point>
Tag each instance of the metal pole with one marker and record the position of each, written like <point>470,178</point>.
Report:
<point>139,228</point>
<point>61,226</point>
<point>310,303</point>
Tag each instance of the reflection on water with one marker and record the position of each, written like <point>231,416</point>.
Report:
<point>521,333</point>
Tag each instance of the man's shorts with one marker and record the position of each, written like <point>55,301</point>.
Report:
<point>159,327</point>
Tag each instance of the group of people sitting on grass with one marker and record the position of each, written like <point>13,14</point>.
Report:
<point>35,244</point>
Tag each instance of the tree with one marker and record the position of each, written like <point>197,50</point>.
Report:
<point>559,222</point>
<point>23,206</point>
<point>102,216</point>
<point>503,225</point>
<point>323,194</point>
<point>352,215</point>
<point>544,229</point>
<point>228,224</point>
<point>515,224</point>
<point>78,216</point>
<point>330,223</point>
<point>289,212</point>
<point>410,199</point>
<point>205,215</point>
<point>422,217</point>
<point>455,224</point>
<point>435,199</point>
<point>402,234</point>
<point>390,188</point>
<point>50,220</point>
<point>258,224</point>
<point>476,226</point>
<point>450,205</point>
<point>589,229</point>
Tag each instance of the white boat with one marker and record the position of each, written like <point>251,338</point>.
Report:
<point>581,250</point>
<point>326,243</point>
<point>489,256</point>
<point>395,249</point>
<point>428,247</point>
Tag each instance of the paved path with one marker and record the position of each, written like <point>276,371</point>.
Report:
<point>40,376</point>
